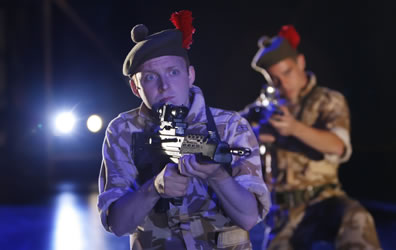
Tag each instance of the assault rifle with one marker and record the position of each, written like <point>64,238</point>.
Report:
<point>169,141</point>
<point>267,104</point>
<point>259,114</point>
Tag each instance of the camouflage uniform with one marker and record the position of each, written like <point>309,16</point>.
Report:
<point>307,185</point>
<point>200,223</point>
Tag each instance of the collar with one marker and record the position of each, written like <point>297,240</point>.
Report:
<point>311,83</point>
<point>197,112</point>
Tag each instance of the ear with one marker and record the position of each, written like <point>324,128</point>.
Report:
<point>301,61</point>
<point>191,75</point>
<point>134,87</point>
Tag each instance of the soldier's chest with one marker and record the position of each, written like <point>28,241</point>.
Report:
<point>309,113</point>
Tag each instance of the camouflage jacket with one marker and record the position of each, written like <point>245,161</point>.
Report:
<point>299,166</point>
<point>208,226</point>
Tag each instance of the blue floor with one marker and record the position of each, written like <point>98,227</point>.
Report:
<point>68,220</point>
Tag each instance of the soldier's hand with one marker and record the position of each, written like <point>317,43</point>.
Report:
<point>285,124</point>
<point>266,138</point>
<point>169,183</point>
<point>189,166</point>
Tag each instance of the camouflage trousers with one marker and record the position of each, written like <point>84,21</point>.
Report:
<point>334,223</point>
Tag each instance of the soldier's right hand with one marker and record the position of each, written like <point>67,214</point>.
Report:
<point>169,183</point>
<point>266,138</point>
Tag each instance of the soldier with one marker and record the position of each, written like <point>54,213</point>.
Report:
<point>311,135</point>
<point>212,215</point>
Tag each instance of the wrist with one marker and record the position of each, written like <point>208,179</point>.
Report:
<point>220,175</point>
<point>298,126</point>
<point>157,186</point>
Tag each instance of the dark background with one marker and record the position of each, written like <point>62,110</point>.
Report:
<point>76,64</point>
<point>67,55</point>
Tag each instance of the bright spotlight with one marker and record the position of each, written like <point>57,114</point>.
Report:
<point>262,149</point>
<point>94,123</point>
<point>64,122</point>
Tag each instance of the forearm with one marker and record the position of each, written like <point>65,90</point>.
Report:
<point>239,204</point>
<point>321,140</point>
<point>127,212</point>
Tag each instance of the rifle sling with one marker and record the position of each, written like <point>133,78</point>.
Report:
<point>211,125</point>
<point>304,102</point>
<point>212,129</point>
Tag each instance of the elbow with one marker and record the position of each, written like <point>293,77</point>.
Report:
<point>119,226</point>
<point>117,231</point>
<point>340,150</point>
<point>337,147</point>
<point>249,222</point>
<point>250,219</point>
<point>340,147</point>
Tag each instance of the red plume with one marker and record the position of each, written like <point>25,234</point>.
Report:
<point>290,34</point>
<point>183,22</point>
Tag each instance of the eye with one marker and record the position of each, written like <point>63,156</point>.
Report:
<point>174,72</point>
<point>275,81</point>
<point>287,72</point>
<point>149,77</point>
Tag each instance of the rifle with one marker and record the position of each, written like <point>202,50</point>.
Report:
<point>169,141</point>
<point>268,104</point>
<point>259,114</point>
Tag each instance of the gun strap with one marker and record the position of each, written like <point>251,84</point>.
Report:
<point>211,125</point>
<point>303,102</point>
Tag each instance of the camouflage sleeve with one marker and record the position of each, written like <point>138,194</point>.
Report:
<point>246,170</point>
<point>117,173</point>
<point>336,117</point>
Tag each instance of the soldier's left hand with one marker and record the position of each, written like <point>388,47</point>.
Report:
<point>189,166</point>
<point>284,124</point>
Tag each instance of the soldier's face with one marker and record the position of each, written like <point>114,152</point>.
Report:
<point>289,75</point>
<point>164,79</point>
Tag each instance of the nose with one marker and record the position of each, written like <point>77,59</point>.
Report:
<point>163,84</point>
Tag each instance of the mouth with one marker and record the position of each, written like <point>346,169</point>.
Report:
<point>166,99</point>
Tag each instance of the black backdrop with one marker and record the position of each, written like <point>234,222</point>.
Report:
<point>349,46</point>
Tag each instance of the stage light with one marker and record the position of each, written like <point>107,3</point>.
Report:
<point>94,123</point>
<point>262,149</point>
<point>64,122</point>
